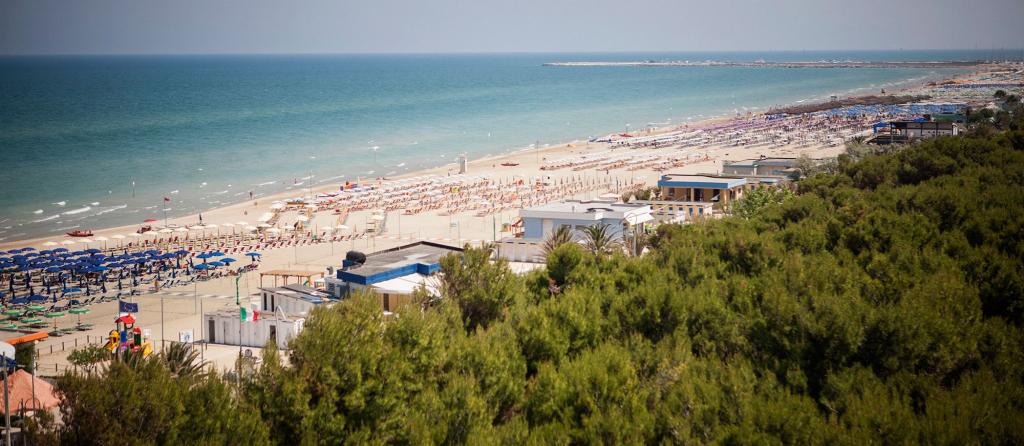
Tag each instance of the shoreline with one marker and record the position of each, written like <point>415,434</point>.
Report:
<point>242,208</point>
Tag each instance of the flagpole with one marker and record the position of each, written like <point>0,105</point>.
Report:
<point>239,303</point>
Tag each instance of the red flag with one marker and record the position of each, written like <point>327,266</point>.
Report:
<point>166,200</point>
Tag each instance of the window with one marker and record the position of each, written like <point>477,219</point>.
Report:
<point>273,333</point>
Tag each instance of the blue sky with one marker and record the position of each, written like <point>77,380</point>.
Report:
<point>412,26</point>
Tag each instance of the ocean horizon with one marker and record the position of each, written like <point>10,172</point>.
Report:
<point>99,141</point>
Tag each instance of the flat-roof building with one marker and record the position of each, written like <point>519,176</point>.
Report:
<point>393,273</point>
<point>776,167</point>
<point>701,188</point>
<point>539,222</point>
<point>294,299</point>
<point>225,326</point>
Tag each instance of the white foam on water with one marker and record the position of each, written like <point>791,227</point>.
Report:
<point>110,209</point>
<point>60,203</point>
<point>37,211</point>
<point>46,218</point>
<point>78,211</point>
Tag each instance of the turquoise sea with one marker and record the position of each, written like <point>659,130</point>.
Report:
<point>206,130</point>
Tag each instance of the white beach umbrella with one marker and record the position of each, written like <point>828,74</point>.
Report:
<point>241,223</point>
<point>302,218</point>
<point>342,228</point>
<point>211,225</point>
<point>326,228</point>
<point>264,225</point>
<point>250,228</point>
<point>273,230</point>
<point>135,234</point>
<point>166,231</point>
<point>227,225</point>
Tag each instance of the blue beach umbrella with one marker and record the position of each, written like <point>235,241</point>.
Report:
<point>253,254</point>
<point>215,264</point>
<point>216,254</point>
<point>201,267</point>
<point>227,260</point>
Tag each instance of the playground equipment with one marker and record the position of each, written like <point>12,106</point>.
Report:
<point>128,337</point>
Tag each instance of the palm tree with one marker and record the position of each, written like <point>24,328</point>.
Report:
<point>599,240</point>
<point>559,237</point>
<point>182,360</point>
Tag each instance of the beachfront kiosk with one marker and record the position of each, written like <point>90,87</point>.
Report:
<point>393,274</point>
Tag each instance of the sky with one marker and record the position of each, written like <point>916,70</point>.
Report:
<point>449,26</point>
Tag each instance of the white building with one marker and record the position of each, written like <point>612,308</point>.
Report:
<point>540,221</point>
<point>225,326</point>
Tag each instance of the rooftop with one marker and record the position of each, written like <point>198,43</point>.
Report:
<point>589,210</point>
<point>700,181</point>
<point>780,162</point>
<point>302,292</point>
<point>421,258</point>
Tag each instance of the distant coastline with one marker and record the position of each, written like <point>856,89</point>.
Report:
<point>768,64</point>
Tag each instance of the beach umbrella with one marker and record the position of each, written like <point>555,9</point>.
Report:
<point>35,308</point>
<point>166,231</point>
<point>54,315</point>
<point>227,260</point>
<point>216,254</point>
<point>215,264</point>
<point>253,254</point>
<point>28,249</point>
<point>79,312</point>
<point>241,223</point>
<point>13,312</point>
<point>203,266</point>
<point>31,320</point>
<point>92,251</point>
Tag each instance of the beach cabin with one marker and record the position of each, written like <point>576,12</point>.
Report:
<point>393,274</point>
<point>701,188</point>
<point>294,299</point>
<point>225,326</point>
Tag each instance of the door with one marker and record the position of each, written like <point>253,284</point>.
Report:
<point>210,330</point>
<point>273,334</point>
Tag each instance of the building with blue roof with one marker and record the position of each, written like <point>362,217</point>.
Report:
<point>701,188</point>
<point>394,274</point>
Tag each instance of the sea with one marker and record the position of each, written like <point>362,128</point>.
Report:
<point>98,141</point>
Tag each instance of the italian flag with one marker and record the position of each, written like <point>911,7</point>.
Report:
<point>249,315</point>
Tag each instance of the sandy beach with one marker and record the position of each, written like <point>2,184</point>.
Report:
<point>171,310</point>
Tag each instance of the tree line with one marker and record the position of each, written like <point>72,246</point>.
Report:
<point>882,303</point>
